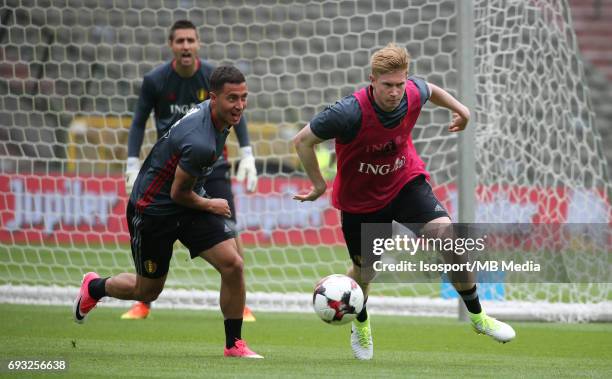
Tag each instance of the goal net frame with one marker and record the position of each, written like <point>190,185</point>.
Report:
<point>72,80</point>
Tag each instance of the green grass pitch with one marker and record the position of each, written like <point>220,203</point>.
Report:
<point>188,344</point>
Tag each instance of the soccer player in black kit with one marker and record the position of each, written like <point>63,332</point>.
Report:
<point>168,203</point>
<point>171,90</point>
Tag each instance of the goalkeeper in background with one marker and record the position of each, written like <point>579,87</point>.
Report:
<point>171,90</point>
<point>381,178</point>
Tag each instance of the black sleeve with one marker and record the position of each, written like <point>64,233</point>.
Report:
<point>195,156</point>
<point>242,133</point>
<point>197,151</point>
<point>423,88</point>
<point>340,121</point>
<point>146,102</point>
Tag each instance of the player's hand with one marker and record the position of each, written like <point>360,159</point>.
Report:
<point>132,167</point>
<point>219,207</point>
<point>458,123</point>
<point>314,194</point>
<point>246,168</point>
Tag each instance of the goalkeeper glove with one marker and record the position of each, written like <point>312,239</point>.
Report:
<point>132,168</point>
<point>246,168</point>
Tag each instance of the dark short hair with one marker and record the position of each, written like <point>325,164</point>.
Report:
<point>225,74</point>
<point>181,24</point>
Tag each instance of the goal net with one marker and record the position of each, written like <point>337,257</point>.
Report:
<point>71,72</point>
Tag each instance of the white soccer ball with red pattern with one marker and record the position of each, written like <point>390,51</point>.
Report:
<point>337,299</point>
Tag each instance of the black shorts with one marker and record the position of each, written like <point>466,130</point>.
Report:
<point>415,205</point>
<point>152,237</point>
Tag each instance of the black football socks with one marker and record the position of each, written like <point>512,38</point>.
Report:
<point>363,315</point>
<point>97,288</point>
<point>470,298</point>
<point>233,328</point>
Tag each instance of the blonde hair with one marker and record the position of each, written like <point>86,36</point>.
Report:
<point>390,58</point>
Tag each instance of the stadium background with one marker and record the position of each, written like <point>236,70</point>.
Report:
<point>71,72</point>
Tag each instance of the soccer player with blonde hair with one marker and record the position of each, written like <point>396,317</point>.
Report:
<point>380,176</point>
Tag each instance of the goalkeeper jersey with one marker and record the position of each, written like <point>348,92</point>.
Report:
<point>170,97</point>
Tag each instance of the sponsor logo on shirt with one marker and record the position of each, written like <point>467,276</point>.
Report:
<point>381,169</point>
<point>386,148</point>
<point>181,108</point>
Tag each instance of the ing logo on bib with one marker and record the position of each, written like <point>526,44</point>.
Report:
<point>387,148</point>
<point>381,169</point>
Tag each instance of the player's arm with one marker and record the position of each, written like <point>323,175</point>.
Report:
<point>338,122</point>
<point>137,130</point>
<point>246,168</point>
<point>182,193</point>
<point>461,114</point>
<point>304,143</point>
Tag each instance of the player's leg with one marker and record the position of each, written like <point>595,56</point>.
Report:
<point>356,274</point>
<point>225,259</point>
<point>140,309</point>
<point>465,284</point>
<point>124,286</point>
<point>361,271</point>
<point>209,237</point>
<point>151,244</point>
<point>418,208</point>
<point>362,342</point>
<point>219,185</point>
<point>128,286</point>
